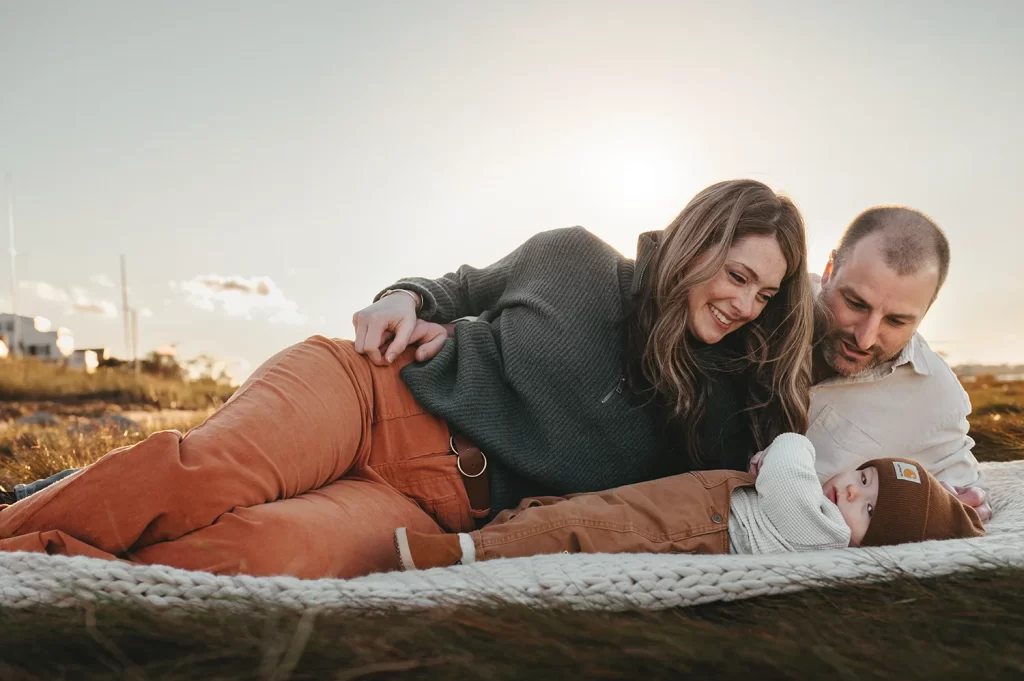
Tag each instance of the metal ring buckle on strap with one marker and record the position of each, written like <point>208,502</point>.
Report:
<point>458,463</point>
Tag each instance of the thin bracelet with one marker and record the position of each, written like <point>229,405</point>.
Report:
<point>415,299</point>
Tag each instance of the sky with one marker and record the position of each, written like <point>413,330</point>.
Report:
<point>267,167</point>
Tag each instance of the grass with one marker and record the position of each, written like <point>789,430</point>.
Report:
<point>33,381</point>
<point>968,626</point>
<point>958,627</point>
<point>997,422</point>
<point>32,452</point>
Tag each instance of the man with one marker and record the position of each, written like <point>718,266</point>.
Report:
<point>879,390</point>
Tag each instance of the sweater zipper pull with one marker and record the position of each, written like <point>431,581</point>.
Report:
<point>616,389</point>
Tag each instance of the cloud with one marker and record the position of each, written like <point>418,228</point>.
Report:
<point>104,308</point>
<point>145,312</point>
<point>78,300</point>
<point>83,302</point>
<point>246,297</point>
<point>102,280</point>
<point>257,286</point>
<point>45,291</point>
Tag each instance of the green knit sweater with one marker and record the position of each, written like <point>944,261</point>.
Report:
<point>536,380</point>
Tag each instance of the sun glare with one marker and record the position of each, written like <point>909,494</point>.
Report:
<point>644,184</point>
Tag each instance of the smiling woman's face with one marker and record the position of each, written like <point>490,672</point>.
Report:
<point>751,275</point>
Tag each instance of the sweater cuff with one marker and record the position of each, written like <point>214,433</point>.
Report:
<point>428,304</point>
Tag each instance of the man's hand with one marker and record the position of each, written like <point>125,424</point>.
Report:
<point>755,463</point>
<point>393,315</point>
<point>975,497</point>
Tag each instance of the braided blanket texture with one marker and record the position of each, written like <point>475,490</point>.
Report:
<point>605,582</point>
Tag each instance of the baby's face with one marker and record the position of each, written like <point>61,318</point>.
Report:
<point>855,493</point>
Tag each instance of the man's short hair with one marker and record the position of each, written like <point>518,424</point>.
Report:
<point>910,240</point>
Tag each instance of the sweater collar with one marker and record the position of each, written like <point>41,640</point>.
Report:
<point>646,247</point>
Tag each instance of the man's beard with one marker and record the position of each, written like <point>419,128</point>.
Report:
<point>830,350</point>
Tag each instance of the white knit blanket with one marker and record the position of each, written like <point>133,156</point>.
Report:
<point>607,582</point>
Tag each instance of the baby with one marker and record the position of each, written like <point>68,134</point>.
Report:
<point>779,506</point>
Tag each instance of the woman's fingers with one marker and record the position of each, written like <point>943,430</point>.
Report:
<point>403,336</point>
<point>383,349</point>
<point>360,326</point>
<point>393,314</point>
<point>429,349</point>
<point>430,337</point>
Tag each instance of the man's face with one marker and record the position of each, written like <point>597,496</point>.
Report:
<point>875,311</point>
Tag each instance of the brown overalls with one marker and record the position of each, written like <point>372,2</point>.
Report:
<point>686,513</point>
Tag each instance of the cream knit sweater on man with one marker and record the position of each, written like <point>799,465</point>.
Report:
<point>786,509</point>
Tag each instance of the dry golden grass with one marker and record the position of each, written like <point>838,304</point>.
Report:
<point>32,452</point>
<point>997,422</point>
<point>33,381</point>
<point>965,627</point>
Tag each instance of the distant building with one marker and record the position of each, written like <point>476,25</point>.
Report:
<point>969,373</point>
<point>102,354</point>
<point>35,337</point>
<point>86,360</point>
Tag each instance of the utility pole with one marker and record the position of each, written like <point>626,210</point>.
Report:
<point>124,308</point>
<point>135,340</point>
<point>16,331</point>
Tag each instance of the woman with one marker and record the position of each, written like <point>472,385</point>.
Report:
<point>581,371</point>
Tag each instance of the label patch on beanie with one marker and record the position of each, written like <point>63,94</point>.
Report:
<point>907,471</point>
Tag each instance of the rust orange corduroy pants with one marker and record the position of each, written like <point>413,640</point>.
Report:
<point>305,471</point>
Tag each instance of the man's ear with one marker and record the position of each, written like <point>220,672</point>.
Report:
<point>826,274</point>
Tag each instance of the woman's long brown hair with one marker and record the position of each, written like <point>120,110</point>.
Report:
<point>775,355</point>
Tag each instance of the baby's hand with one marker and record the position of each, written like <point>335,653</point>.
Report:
<point>755,463</point>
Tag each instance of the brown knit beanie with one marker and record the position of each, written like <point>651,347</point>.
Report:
<point>912,506</point>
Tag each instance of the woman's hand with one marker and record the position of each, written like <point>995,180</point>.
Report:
<point>392,318</point>
<point>755,463</point>
<point>430,338</point>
